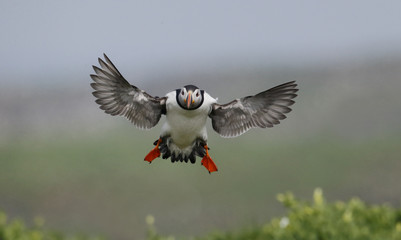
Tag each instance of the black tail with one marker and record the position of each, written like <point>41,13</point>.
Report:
<point>197,150</point>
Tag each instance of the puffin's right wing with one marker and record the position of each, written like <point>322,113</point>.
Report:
<point>263,110</point>
<point>117,97</point>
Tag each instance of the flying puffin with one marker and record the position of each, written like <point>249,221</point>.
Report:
<point>183,135</point>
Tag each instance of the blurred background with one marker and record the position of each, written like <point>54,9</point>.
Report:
<point>82,170</point>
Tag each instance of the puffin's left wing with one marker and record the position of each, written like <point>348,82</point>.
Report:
<point>263,110</point>
<point>117,97</point>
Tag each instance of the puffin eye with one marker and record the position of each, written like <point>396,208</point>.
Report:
<point>197,94</point>
<point>182,92</point>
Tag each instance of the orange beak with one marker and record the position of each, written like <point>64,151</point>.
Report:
<point>189,99</point>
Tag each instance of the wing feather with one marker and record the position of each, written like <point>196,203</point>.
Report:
<point>116,96</point>
<point>263,110</point>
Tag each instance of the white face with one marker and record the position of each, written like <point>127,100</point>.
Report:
<point>190,99</point>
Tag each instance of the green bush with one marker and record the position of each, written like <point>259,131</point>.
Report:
<point>17,230</point>
<point>340,220</point>
<point>319,220</point>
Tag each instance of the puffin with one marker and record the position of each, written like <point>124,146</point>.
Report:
<point>183,136</point>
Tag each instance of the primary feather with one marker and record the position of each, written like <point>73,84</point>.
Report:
<point>117,97</point>
<point>265,109</point>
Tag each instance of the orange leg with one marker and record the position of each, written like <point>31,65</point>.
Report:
<point>208,162</point>
<point>154,153</point>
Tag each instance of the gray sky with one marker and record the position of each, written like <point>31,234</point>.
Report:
<point>45,38</point>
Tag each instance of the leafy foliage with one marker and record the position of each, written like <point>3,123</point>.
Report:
<point>17,230</point>
<point>319,220</point>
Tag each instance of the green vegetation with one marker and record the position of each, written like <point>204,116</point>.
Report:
<point>17,230</point>
<point>318,220</point>
<point>313,220</point>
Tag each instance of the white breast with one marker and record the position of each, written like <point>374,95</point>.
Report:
<point>185,126</point>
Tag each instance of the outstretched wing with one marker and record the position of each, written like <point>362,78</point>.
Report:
<point>265,109</point>
<point>117,97</point>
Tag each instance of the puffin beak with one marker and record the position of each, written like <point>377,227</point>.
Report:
<point>189,99</point>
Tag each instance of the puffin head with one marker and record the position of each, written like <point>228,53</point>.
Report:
<point>189,97</point>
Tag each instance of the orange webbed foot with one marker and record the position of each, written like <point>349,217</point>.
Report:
<point>154,153</point>
<point>207,162</point>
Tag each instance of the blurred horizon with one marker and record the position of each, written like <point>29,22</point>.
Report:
<point>29,107</point>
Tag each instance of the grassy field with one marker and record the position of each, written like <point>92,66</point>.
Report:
<point>99,183</point>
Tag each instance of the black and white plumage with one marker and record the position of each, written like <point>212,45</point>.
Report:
<point>187,109</point>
